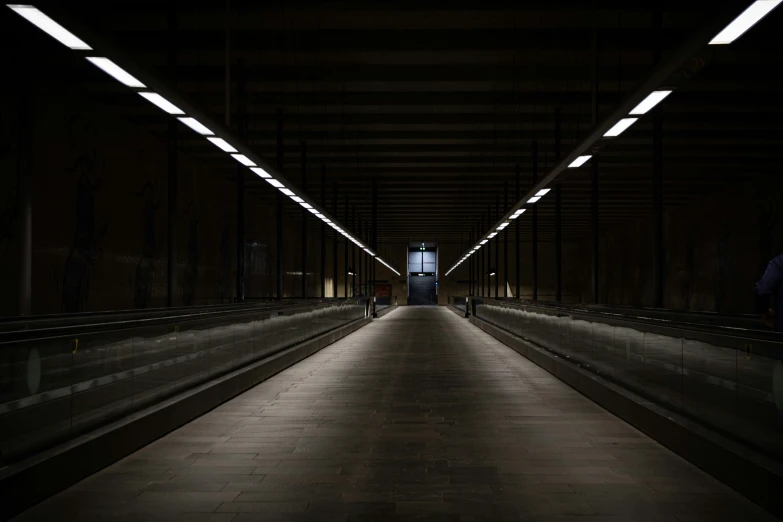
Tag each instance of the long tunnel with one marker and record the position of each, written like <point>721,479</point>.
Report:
<point>427,261</point>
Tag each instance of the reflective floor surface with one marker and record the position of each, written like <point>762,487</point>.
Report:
<point>418,416</point>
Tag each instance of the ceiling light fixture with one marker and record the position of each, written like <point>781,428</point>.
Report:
<point>749,17</point>
<point>543,192</point>
<point>222,144</point>
<point>620,127</point>
<point>534,199</point>
<point>50,27</point>
<point>578,162</point>
<point>197,126</point>
<point>483,242</point>
<point>308,206</point>
<point>161,102</point>
<point>244,160</point>
<point>274,183</point>
<point>287,192</point>
<point>115,71</point>
<point>297,199</point>
<point>261,172</point>
<point>652,99</point>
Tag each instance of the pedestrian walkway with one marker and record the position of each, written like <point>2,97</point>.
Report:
<point>418,416</point>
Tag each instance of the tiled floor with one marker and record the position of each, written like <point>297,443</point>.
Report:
<point>418,416</point>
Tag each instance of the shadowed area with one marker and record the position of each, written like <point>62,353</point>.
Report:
<point>417,416</point>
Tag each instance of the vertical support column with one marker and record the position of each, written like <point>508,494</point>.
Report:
<point>657,181</point>
<point>335,273</point>
<point>374,233</point>
<point>594,219</point>
<point>304,222</point>
<point>497,249</point>
<point>558,219</point>
<point>594,180</point>
<point>353,253</point>
<point>323,233</point>
<point>470,265</point>
<point>345,253</point>
<point>516,231</point>
<point>279,162</point>
<point>25,175</point>
<point>171,207</point>
<point>482,253</point>
<point>242,132</point>
<point>505,242</point>
<point>534,155</point>
<point>489,254</point>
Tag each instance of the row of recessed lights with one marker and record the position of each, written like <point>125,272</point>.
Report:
<point>747,19</point>
<point>61,34</point>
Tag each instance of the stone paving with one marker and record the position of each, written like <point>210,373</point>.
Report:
<point>418,416</point>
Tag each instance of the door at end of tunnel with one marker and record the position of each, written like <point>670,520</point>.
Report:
<point>422,291</point>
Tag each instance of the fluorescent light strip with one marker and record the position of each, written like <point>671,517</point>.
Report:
<point>484,241</point>
<point>749,17</point>
<point>196,125</point>
<point>312,210</point>
<point>493,234</point>
<point>308,206</point>
<point>161,102</point>
<point>274,183</point>
<point>115,71</point>
<point>652,99</point>
<point>620,127</point>
<point>244,160</point>
<point>578,162</point>
<point>50,27</point>
<point>261,172</point>
<point>534,199</point>
<point>518,213</point>
<point>369,252</point>
<point>287,192</point>
<point>543,192</point>
<point>297,199</point>
<point>222,144</point>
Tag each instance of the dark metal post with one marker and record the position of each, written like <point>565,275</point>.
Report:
<point>353,253</point>
<point>558,219</point>
<point>345,253</point>
<point>304,222</point>
<point>25,174</point>
<point>335,273</point>
<point>374,234</point>
<point>323,233</point>
<point>497,250</point>
<point>594,181</point>
<point>482,253</point>
<point>280,154</point>
<point>173,167</point>
<point>242,132</point>
<point>505,242</point>
<point>595,227</point>
<point>470,265</point>
<point>534,155</point>
<point>516,226</point>
<point>657,181</point>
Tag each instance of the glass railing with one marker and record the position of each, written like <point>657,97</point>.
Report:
<point>727,378</point>
<point>459,302</point>
<point>60,381</point>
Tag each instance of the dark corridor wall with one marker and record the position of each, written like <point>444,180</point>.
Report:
<point>100,217</point>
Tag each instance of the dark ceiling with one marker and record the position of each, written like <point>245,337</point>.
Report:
<point>438,102</point>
